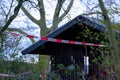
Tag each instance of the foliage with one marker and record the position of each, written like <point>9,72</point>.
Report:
<point>12,63</point>
<point>112,38</point>
<point>21,70</point>
<point>101,55</point>
<point>112,9</point>
<point>69,70</point>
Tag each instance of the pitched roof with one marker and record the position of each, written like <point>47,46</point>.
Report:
<point>79,19</point>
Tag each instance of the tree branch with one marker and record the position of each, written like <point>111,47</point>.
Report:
<point>42,20</point>
<point>66,11</point>
<point>91,13</point>
<point>16,10</point>
<point>9,11</point>
<point>56,14</point>
<point>29,15</point>
<point>41,9</point>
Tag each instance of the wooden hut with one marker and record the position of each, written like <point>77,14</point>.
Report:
<point>68,54</point>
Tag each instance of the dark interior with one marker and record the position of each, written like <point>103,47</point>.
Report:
<point>68,54</point>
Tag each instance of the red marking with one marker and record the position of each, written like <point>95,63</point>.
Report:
<point>30,36</point>
<point>96,44</point>
<point>44,38</point>
<point>84,43</point>
<point>58,40</point>
<point>15,34</point>
<point>71,42</point>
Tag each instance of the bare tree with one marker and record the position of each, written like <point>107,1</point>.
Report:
<point>9,11</point>
<point>8,18</point>
<point>40,7</point>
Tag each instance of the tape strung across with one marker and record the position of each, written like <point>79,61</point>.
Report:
<point>58,40</point>
<point>70,42</point>
<point>26,35</point>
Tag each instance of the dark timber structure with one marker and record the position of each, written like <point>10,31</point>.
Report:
<point>67,54</point>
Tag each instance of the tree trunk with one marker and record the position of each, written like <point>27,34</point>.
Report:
<point>113,45</point>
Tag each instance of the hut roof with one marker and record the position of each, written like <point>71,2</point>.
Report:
<point>35,48</point>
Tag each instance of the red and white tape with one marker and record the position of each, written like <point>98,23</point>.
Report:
<point>26,35</point>
<point>58,40</point>
<point>70,42</point>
